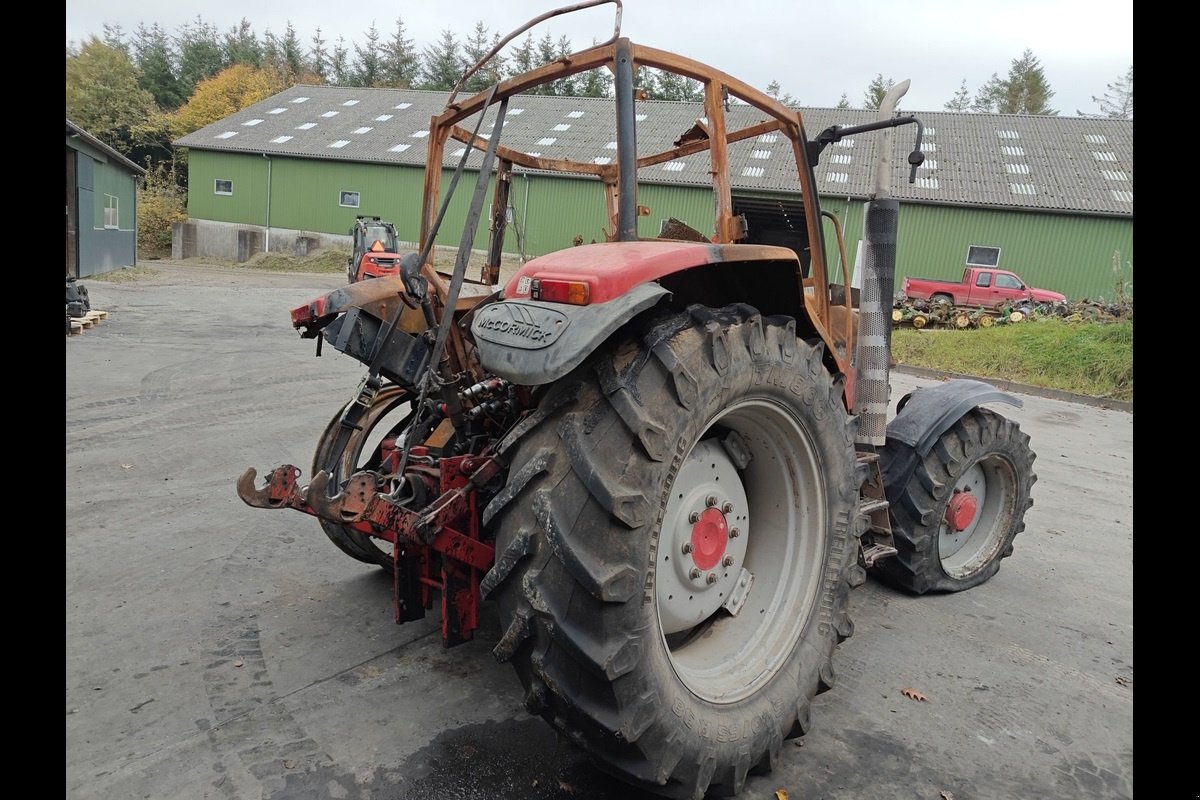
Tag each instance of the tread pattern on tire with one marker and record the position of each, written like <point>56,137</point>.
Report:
<point>916,567</point>
<point>353,543</point>
<point>575,535</point>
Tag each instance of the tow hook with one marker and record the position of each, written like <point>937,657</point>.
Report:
<point>281,489</point>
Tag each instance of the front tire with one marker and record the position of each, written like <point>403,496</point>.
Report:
<point>617,551</point>
<point>388,414</point>
<point>958,514</point>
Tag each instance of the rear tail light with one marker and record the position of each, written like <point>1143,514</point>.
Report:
<point>577,293</point>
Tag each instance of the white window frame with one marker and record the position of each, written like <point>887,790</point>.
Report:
<point>217,182</point>
<point>344,196</point>
<point>974,261</point>
<point>112,211</point>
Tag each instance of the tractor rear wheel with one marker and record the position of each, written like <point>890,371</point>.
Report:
<point>961,509</point>
<point>676,546</point>
<point>389,413</point>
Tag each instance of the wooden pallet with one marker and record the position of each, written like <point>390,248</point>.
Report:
<point>88,320</point>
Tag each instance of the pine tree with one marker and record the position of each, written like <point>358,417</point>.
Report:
<point>339,63</point>
<point>876,89</point>
<point>200,54</point>
<point>477,45</point>
<point>568,86</point>
<point>291,55</point>
<point>671,86</point>
<point>1117,102</point>
<point>318,58</point>
<point>961,100</point>
<point>596,82</point>
<point>401,65</point>
<point>775,90</point>
<point>523,56</point>
<point>844,102</point>
<point>114,37</point>
<point>152,52</point>
<point>1024,91</point>
<point>242,46</point>
<point>442,64</point>
<point>368,61</point>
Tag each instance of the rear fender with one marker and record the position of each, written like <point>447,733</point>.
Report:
<point>532,342</point>
<point>923,415</point>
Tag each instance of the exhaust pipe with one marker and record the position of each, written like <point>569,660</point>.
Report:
<point>874,350</point>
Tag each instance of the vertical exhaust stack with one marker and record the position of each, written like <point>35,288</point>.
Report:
<point>874,351</point>
<point>626,144</point>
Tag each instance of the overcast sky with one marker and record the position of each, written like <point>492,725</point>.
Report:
<point>816,51</point>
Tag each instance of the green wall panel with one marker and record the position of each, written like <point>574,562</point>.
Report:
<point>1070,254</point>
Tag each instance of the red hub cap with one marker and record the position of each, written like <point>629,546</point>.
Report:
<point>961,510</point>
<point>709,536</point>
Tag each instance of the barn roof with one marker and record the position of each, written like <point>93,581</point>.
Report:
<point>1078,165</point>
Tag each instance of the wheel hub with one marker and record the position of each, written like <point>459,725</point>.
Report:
<point>709,537</point>
<point>961,510</point>
<point>704,536</point>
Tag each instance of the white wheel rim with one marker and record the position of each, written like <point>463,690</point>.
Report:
<point>782,490</point>
<point>992,484</point>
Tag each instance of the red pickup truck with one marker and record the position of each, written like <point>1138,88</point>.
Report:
<point>980,286</point>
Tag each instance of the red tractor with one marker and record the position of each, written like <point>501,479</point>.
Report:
<point>666,460</point>
<point>374,253</point>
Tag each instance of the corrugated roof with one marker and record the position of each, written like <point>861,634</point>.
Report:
<point>1063,164</point>
<point>75,130</point>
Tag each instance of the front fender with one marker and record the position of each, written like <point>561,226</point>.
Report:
<point>532,342</point>
<point>923,415</point>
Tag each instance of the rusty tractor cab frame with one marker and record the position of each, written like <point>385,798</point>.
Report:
<point>810,293</point>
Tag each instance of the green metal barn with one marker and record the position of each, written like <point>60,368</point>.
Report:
<point>1050,198</point>
<point>101,206</point>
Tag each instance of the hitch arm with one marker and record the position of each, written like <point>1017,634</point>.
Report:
<point>281,489</point>
<point>360,503</point>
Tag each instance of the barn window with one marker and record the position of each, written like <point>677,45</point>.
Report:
<point>981,256</point>
<point>112,214</point>
<point>348,199</point>
<point>222,186</point>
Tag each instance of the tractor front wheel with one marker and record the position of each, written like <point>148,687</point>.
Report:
<point>388,415</point>
<point>675,549</point>
<point>966,501</point>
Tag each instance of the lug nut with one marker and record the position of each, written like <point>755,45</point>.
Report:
<point>695,573</point>
<point>710,501</point>
<point>727,508</point>
<point>687,548</point>
<point>734,533</point>
<point>694,517</point>
<point>711,578</point>
<point>728,561</point>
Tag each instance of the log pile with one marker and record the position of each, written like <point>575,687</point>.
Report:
<point>928,314</point>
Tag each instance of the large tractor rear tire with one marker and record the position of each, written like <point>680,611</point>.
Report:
<point>963,506</point>
<point>389,413</point>
<point>653,485</point>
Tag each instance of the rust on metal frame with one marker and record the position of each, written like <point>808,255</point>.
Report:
<point>713,137</point>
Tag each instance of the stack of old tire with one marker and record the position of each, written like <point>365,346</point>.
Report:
<point>78,304</point>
